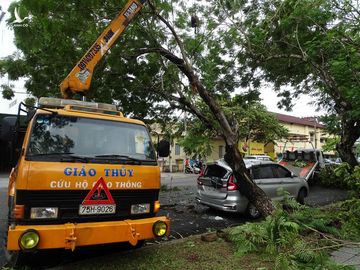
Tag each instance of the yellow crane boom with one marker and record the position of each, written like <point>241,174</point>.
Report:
<point>79,79</point>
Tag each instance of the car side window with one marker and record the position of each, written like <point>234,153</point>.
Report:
<point>281,172</point>
<point>262,172</point>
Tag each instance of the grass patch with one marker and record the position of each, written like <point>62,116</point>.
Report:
<point>192,254</point>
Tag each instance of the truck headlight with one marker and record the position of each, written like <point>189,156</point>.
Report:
<point>43,212</point>
<point>159,228</point>
<point>29,240</point>
<point>141,208</point>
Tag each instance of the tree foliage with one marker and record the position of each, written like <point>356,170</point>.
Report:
<point>312,46</point>
<point>255,124</point>
<point>159,58</point>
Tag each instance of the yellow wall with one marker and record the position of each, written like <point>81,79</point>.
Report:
<point>215,150</point>
<point>255,148</point>
<point>304,132</point>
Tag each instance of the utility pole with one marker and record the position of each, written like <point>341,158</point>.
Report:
<point>315,120</point>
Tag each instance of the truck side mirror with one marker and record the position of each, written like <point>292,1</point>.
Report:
<point>163,148</point>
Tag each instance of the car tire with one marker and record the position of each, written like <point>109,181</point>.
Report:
<point>301,196</point>
<point>252,212</point>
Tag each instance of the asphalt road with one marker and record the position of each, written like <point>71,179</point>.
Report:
<point>3,209</point>
<point>178,201</point>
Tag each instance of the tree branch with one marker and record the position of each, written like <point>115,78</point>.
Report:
<point>177,39</point>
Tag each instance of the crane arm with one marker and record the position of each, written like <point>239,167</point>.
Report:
<point>79,79</point>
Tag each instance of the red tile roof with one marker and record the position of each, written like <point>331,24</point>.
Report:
<point>297,120</point>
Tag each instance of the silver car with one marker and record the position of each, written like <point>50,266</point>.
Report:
<point>217,189</point>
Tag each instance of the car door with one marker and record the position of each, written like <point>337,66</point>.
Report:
<point>289,183</point>
<point>264,177</point>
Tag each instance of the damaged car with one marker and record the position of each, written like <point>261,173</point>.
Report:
<point>217,187</point>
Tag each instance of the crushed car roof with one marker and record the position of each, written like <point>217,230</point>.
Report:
<point>248,163</point>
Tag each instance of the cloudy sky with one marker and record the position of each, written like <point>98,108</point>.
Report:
<point>7,47</point>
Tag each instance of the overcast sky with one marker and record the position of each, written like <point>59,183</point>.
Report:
<point>7,47</point>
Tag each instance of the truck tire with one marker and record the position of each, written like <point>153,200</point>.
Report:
<point>139,244</point>
<point>11,258</point>
<point>301,196</point>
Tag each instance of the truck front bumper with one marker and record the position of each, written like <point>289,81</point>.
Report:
<point>71,235</point>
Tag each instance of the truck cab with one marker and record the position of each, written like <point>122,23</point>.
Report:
<point>85,175</point>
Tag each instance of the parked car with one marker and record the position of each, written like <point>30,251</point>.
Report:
<point>217,186</point>
<point>258,157</point>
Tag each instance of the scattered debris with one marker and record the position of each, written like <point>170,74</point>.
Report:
<point>209,237</point>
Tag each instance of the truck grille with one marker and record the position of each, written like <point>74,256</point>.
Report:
<point>68,202</point>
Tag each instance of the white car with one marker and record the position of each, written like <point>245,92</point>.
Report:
<point>258,157</point>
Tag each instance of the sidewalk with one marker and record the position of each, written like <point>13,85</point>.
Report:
<point>348,255</point>
<point>178,179</point>
<point>4,178</point>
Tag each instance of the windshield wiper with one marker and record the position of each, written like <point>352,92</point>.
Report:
<point>72,158</point>
<point>50,154</point>
<point>121,157</point>
<point>64,157</point>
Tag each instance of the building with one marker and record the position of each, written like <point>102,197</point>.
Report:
<point>303,133</point>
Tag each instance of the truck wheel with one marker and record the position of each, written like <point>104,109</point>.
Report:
<point>301,196</point>
<point>11,257</point>
<point>129,246</point>
<point>139,244</point>
<point>252,211</point>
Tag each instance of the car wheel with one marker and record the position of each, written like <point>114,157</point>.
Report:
<point>252,211</point>
<point>301,196</point>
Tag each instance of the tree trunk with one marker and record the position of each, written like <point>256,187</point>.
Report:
<point>253,193</point>
<point>351,132</point>
<point>228,129</point>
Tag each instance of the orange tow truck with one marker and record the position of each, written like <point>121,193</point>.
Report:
<point>85,174</point>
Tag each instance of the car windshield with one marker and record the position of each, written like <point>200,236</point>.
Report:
<point>56,136</point>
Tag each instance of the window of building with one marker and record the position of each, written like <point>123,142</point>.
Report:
<point>311,136</point>
<point>221,151</point>
<point>177,149</point>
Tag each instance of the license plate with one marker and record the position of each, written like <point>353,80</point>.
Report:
<point>97,209</point>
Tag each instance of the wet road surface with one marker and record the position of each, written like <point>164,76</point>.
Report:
<point>177,198</point>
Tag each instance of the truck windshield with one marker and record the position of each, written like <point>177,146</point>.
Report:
<point>56,136</point>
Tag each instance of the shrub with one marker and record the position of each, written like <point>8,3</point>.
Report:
<point>292,238</point>
<point>342,176</point>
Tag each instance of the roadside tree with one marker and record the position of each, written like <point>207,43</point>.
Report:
<point>311,46</point>
<point>183,53</point>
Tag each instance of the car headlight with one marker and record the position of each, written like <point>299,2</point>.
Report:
<point>141,208</point>
<point>43,212</point>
